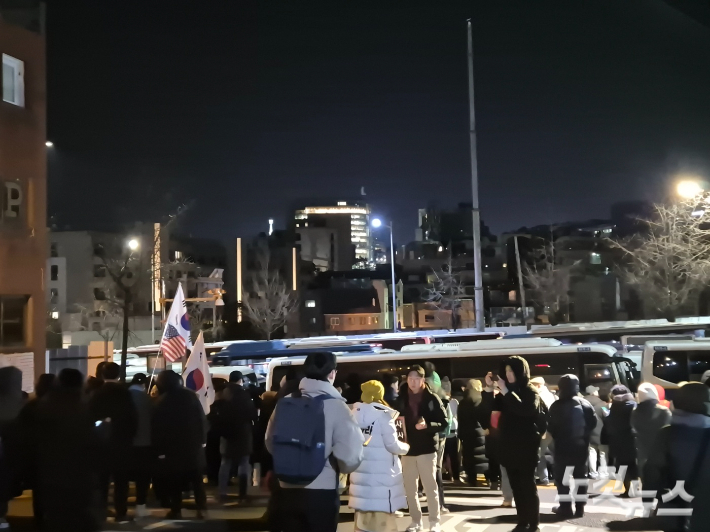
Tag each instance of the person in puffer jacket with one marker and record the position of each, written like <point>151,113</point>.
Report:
<point>377,486</point>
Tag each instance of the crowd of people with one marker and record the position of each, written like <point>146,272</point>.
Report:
<point>382,442</point>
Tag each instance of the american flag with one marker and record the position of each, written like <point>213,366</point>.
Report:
<point>173,344</point>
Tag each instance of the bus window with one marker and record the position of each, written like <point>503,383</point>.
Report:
<point>671,366</point>
<point>698,363</point>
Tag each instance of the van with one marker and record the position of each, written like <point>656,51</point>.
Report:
<point>593,364</point>
<point>671,362</point>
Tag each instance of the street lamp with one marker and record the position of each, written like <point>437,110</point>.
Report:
<point>689,189</point>
<point>49,144</point>
<point>377,223</point>
<point>133,244</point>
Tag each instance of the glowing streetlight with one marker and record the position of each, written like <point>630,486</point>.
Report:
<point>689,189</point>
<point>376,223</point>
<point>49,144</point>
<point>133,244</point>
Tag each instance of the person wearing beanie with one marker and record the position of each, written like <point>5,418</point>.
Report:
<point>548,398</point>
<point>681,453</point>
<point>647,420</point>
<point>597,451</point>
<point>377,485</point>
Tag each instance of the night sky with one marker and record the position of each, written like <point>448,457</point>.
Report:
<point>240,108</point>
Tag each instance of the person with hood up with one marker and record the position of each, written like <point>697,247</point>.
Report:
<point>424,420</point>
<point>316,507</point>
<point>620,434</point>
<point>519,407</point>
<point>647,420</point>
<point>473,419</point>
<point>11,402</point>
<point>377,485</point>
<point>681,452</point>
<point>548,398</point>
<point>179,434</point>
<point>596,450</point>
<point>572,420</point>
<point>69,450</point>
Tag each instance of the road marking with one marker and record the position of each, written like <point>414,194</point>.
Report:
<point>476,527</point>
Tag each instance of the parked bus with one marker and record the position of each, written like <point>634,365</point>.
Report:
<point>614,331</point>
<point>594,364</point>
<point>671,362</point>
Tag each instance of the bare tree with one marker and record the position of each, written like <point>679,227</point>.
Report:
<point>670,261</point>
<point>549,281</point>
<point>269,303</point>
<point>445,293</point>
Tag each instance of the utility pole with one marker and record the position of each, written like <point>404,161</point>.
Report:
<point>521,287</point>
<point>478,275</point>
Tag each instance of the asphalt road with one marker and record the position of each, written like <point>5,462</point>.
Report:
<point>472,510</point>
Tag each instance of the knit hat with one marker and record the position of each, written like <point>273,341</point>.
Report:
<point>693,397</point>
<point>647,392</point>
<point>373,392</point>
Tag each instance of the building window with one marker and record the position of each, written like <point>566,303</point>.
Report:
<point>178,255</point>
<point>55,315</point>
<point>99,295</point>
<point>99,250</point>
<point>310,303</point>
<point>12,320</point>
<point>53,250</point>
<point>54,296</point>
<point>54,272</point>
<point>99,270</point>
<point>350,321</point>
<point>363,320</point>
<point>13,84</point>
<point>313,320</point>
<point>334,321</point>
<point>595,258</point>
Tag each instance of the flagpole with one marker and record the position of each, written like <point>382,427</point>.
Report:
<point>155,365</point>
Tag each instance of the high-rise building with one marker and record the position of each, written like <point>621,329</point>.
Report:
<point>23,187</point>
<point>349,242</point>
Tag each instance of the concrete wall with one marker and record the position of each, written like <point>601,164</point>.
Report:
<point>23,160</point>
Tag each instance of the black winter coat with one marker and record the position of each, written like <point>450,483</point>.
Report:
<point>472,417</point>
<point>114,401</point>
<point>571,422</point>
<point>519,438</point>
<point>619,433</point>
<point>432,410</point>
<point>179,431</point>
<point>674,458</point>
<point>235,419</point>
<point>69,450</point>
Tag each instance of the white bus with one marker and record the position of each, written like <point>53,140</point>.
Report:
<point>594,364</point>
<point>671,362</point>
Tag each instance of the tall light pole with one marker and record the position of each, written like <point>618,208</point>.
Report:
<point>478,276</point>
<point>376,222</point>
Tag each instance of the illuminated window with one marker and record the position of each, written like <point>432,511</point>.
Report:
<point>334,321</point>
<point>310,303</point>
<point>595,258</point>
<point>13,84</point>
<point>55,315</point>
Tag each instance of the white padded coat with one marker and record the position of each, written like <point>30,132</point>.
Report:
<point>377,485</point>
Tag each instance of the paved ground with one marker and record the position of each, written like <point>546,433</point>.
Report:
<point>472,510</point>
